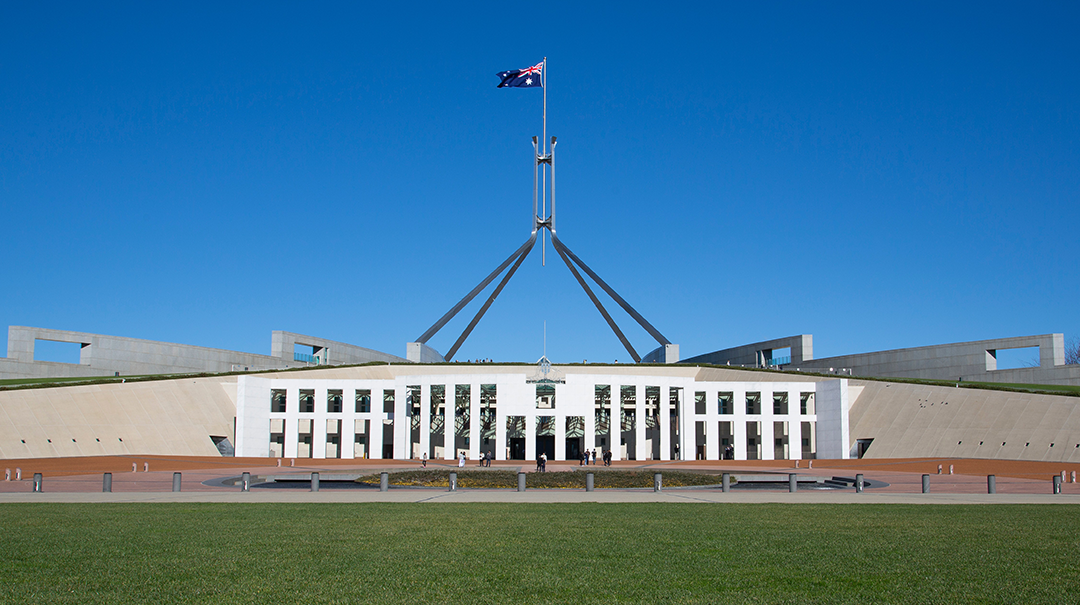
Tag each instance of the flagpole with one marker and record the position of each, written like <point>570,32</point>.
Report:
<point>543,153</point>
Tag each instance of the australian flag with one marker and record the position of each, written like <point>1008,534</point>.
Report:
<point>522,78</point>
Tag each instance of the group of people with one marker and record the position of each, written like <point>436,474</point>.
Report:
<point>541,462</point>
<point>605,456</point>
<point>486,458</point>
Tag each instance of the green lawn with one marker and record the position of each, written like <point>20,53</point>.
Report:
<point>512,553</point>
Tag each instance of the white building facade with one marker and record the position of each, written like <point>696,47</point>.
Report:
<point>449,411</point>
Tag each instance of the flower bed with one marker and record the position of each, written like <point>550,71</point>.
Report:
<point>500,479</point>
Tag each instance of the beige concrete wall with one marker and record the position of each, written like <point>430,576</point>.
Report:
<point>907,420</point>
<point>170,417</point>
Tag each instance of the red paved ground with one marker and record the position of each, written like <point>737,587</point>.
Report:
<point>902,475</point>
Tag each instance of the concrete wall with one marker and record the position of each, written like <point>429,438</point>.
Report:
<point>419,352</point>
<point>330,352</point>
<point>103,355</point>
<point>174,417</point>
<point>802,348</point>
<point>907,420</point>
<point>971,361</point>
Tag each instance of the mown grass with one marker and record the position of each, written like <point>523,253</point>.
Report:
<point>515,553</point>
<point>570,480</point>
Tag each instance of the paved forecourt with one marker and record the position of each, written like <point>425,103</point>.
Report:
<point>214,479</point>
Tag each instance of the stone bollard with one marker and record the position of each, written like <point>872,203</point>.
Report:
<point>589,481</point>
<point>18,474</point>
<point>453,482</point>
<point>950,469</point>
<point>106,483</point>
<point>792,483</point>
<point>176,482</point>
<point>279,462</point>
<point>134,467</point>
<point>1062,476</point>
<point>796,464</point>
<point>926,484</point>
<point>725,482</point>
<point>314,482</point>
<point>245,482</point>
<point>384,481</point>
<point>292,461</point>
<point>7,474</point>
<point>146,467</point>
<point>38,482</point>
<point>991,484</point>
<point>810,464</point>
<point>939,469</point>
<point>859,483</point>
<point>521,481</point>
<point>1057,483</point>
<point>1073,479</point>
<point>658,482</point>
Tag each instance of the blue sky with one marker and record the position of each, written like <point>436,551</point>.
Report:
<point>877,175</point>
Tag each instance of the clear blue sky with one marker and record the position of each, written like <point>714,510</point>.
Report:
<point>878,175</point>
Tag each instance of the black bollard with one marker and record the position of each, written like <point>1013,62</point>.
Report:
<point>106,482</point>
<point>521,481</point>
<point>792,483</point>
<point>176,482</point>
<point>926,484</point>
<point>589,480</point>
<point>658,482</point>
<point>384,481</point>
<point>725,482</point>
<point>859,483</point>
<point>314,482</point>
<point>38,482</point>
<point>453,482</point>
<point>245,482</point>
<point>991,484</point>
<point>1057,483</point>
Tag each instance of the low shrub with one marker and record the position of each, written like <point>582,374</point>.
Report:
<point>503,479</point>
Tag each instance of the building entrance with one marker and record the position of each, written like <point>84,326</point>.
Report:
<point>545,445</point>
<point>517,448</point>
<point>574,447</point>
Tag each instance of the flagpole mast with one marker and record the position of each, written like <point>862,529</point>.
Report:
<point>543,153</point>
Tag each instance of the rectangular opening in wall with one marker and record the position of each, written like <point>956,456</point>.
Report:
<point>1012,359</point>
<point>602,413</point>
<point>333,401</point>
<point>277,401</point>
<point>725,402</point>
<point>780,404</point>
<point>781,357</point>
<point>388,425</point>
<point>488,414</point>
<point>307,401</point>
<point>753,404</point>
<point>277,437</point>
<point>462,418</point>
<point>515,437</point>
<point>57,352</point>
<point>362,401</point>
<point>545,397</point>
<point>305,353</point>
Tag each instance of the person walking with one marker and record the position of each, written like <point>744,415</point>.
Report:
<point>423,460</point>
<point>461,461</point>
<point>543,462</point>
